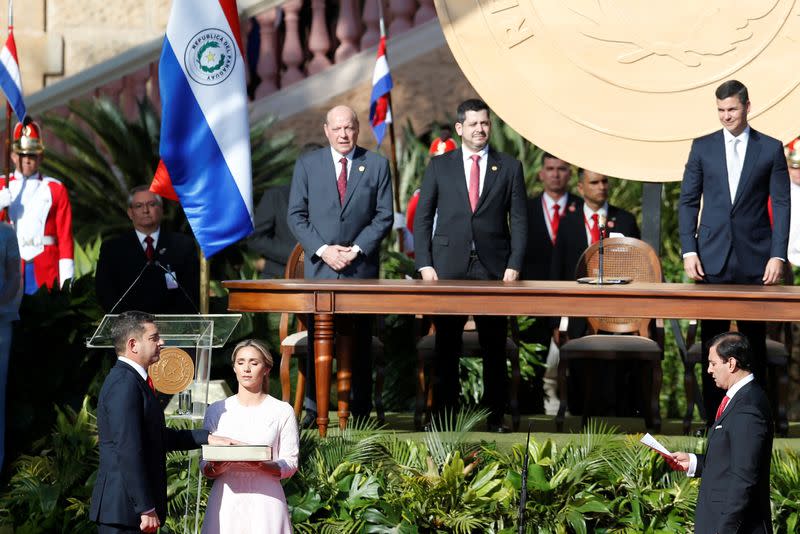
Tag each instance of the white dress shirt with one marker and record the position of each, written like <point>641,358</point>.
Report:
<point>337,164</point>
<point>142,237</point>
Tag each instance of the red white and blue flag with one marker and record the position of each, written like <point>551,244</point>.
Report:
<point>380,114</point>
<point>205,134</point>
<point>10,79</point>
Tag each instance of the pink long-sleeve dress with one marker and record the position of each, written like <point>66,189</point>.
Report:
<point>252,502</point>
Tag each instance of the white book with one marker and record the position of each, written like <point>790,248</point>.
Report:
<point>237,453</point>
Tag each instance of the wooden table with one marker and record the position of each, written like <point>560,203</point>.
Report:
<point>324,298</point>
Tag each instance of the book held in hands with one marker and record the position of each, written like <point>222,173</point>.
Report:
<point>237,453</point>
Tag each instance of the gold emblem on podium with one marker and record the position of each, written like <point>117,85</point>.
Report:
<point>173,372</point>
<point>622,87</point>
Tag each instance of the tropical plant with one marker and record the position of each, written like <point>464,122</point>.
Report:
<point>785,491</point>
<point>51,486</point>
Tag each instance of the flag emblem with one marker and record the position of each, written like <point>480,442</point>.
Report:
<point>210,56</point>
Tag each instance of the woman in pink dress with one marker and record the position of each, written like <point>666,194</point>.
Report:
<point>247,497</point>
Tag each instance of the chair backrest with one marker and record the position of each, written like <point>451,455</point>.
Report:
<point>294,265</point>
<point>622,257</point>
<point>294,269</point>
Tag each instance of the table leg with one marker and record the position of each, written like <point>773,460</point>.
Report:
<point>345,341</point>
<point>323,355</point>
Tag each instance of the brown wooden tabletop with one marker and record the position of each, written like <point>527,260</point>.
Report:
<point>325,298</point>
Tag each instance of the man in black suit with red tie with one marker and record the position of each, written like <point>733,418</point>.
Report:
<point>734,488</point>
<point>477,196</point>
<point>735,171</point>
<point>545,212</point>
<point>130,492</point>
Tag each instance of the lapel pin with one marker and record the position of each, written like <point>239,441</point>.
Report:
<point>361,168</point>
<point>162,251</point>
<point>610,223</point>
<point>494,167</point>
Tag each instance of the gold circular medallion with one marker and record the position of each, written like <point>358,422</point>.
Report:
<point>173,372</point>
<point>622,87</point>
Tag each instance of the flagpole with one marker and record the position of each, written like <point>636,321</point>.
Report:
<point>205,283</point>
<point>392,145</point>
<point>7,169</point>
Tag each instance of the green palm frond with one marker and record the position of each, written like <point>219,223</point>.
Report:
<point>449,432</point>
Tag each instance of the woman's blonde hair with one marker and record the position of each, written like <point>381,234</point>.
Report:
<point>265,355</point>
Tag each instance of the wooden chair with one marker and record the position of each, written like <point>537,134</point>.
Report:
<point>296,344</point>
<point>779,350</point>
<point>623,338</point>
<point>426,352</point>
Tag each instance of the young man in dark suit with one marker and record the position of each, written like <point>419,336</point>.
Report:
<point>130,493</point>
<point>340,209</point>
<point>477,196</point>
<point>166,261</point>
<point>734,171</point>
<point>545,212</point>
<point>734,489</point>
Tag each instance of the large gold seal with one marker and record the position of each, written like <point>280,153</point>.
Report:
<point>622,87</point>
<point>173,372</point>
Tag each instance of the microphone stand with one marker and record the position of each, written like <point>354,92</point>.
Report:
<point>600,267</point>
<point>523,497</point>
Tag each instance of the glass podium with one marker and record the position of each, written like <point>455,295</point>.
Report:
<point>202,334</point>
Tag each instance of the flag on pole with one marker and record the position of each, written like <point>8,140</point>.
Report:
<point>380,115</point>
<point>10,79</point>
<point>205,134</point>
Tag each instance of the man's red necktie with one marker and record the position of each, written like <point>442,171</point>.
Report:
<point>149,251</point>
<point>555,221</point>
<point>341,182</point>
<point>595,229</point>
<point>722,405</point>
<point>474,182</point>
<point>150,383</point>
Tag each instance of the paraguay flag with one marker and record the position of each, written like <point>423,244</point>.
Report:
<point>379,112</point>
<point>10,79</point>
<point>205,135</point>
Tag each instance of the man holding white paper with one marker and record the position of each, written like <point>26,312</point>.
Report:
<point>734,491</point>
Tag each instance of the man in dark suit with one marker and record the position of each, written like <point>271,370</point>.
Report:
<point>166,261</point>
<point>545,212</point>
<point>734,490</point>
<point>130,493</point>
<point>735,171</point>
<point>340,209</point>
<point>477,196</point>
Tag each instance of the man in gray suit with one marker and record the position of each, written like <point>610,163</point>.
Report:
<point>340,209</point>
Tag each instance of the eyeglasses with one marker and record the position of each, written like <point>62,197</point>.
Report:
<point>138,206</point>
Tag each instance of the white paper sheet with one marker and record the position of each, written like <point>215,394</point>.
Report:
<point>654,444</point>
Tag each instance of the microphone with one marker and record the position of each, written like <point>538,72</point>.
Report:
<point>523,496</point>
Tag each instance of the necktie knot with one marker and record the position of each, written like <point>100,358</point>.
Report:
<point>150,383</point>
<point>476,157</point>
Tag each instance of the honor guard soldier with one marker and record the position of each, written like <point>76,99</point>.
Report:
<point>38,207</point>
